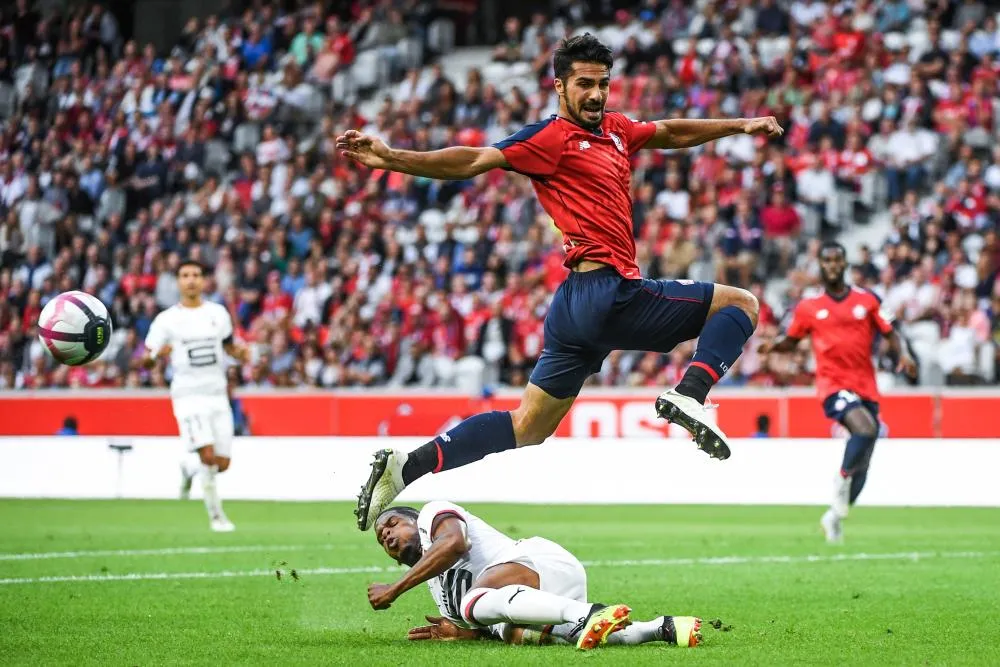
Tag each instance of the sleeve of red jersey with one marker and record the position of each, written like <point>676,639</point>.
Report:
<point>801,324</point>
<point>534,150</point>
<point>637,132</point>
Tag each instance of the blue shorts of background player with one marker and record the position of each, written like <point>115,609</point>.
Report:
<point>836,406</point>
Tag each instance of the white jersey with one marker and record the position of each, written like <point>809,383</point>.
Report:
<point>196,337</point>
<point>486,546</point>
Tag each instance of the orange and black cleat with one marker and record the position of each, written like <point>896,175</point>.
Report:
<point>602,623</point>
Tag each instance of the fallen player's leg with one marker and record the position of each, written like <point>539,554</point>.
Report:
<point>683,631</point>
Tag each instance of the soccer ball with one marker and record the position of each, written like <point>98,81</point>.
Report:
<point>75,328</point>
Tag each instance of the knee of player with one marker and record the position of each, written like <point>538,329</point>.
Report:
<point>528,431</point>
<point>468,605</point>
<point>868,430</point>
<point>749,304</point>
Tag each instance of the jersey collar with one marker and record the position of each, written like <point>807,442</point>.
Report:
<point>838,299</point>
<point>599,132</point>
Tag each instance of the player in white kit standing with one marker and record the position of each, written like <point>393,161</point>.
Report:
<point>195,335</point>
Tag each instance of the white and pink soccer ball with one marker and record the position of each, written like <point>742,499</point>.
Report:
<point>75,328</point>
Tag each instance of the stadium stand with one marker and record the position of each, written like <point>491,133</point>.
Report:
<point>116,162</point>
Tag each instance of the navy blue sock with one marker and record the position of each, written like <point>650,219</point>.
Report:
<point>719,346</point>
<point>858,480</point>
<point>857,454</point>
<point>475,438</point>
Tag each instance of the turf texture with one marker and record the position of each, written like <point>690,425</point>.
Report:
<point>146,583</point>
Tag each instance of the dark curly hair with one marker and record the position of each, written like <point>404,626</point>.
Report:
<point>583,48</point>
<point>402,510</point>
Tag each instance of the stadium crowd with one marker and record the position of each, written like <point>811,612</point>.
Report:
<point>118,161</point>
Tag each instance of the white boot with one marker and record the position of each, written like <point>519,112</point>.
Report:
<point>693,416</point>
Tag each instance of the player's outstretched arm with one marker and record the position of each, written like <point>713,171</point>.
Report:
<point>688,132</point>
<point>780,344</point>
<point>454,163</point>
<point>450,542</point>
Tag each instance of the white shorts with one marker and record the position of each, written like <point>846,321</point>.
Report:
<point>559,572</point>
<point>203,421</point>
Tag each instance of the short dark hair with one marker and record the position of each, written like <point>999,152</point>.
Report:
<point>833,245</point>
<point>191,262</point>
<point>402,510</point>
<point>583,48</point>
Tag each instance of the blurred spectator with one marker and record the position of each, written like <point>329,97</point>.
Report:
<point>69,427</point>
<point>116,161</point>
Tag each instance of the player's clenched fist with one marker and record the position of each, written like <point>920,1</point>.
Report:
<point>366,149</point>
<point>381,596</point>
<point>767,125</point>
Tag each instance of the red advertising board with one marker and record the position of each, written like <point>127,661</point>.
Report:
<point>792,414</point>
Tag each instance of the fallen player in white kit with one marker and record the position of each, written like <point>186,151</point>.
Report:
<point>487,585</point>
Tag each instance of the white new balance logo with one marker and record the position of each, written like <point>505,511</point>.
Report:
<point>584,145</point>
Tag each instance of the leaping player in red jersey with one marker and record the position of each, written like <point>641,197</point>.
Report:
<point>844,323</point>
<point>579,163</point>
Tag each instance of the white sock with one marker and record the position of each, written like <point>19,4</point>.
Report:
<point>842,497</point>
<point>549,634</point>
<point>522,605</point>
<point>191,464</point>
<point>212,502</point>
<point>640,632</point>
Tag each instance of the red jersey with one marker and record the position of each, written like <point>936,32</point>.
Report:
<point>583,180</point>
<point>843,332</point>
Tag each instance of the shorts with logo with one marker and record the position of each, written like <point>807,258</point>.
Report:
<point>836,406</point>
<point>205,420</point>
<point>559,571</point>
<point>595,312</point>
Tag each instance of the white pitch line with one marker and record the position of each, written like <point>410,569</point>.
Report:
<point>912,556</point>
<point>170,551</point>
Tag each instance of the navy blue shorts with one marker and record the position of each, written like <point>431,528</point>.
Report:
<point>835,406</point>
<point>595,312</point>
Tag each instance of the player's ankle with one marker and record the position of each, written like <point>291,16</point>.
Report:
<point>420,461</point>
<point>695,384</point>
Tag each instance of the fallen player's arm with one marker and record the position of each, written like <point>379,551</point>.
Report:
<point>449,543</point>
<point>688,132</point>
<point>780,344</point>
<point>443,630</point>
<point>455,163</point>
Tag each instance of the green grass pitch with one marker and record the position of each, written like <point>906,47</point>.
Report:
<point>122,583</point>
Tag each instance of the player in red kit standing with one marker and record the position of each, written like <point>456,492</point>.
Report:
<point>579,164</point>
<point>844,323</point>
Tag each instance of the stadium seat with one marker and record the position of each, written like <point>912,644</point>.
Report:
<point>365,70</point>
<point>441,35</point>
<point>246,137</point>
<point>8,100</point>
<point>470,375</point>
